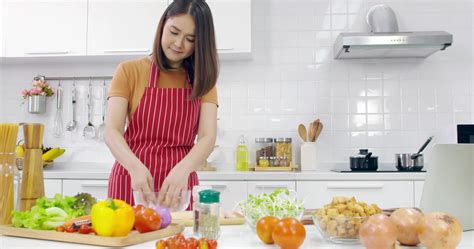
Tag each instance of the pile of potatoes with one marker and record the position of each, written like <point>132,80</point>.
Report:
<point>343,217</point>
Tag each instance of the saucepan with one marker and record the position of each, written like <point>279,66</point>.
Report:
<point>411,161</point>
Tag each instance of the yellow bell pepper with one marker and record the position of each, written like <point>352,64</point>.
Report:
<point>112,218</point>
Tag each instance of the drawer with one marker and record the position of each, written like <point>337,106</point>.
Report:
<point>232,192</point>
<point>260,187</point>
<point>386,194</point>
<point>52,187</point>
<point>418,192</point>
<point>97,188</point>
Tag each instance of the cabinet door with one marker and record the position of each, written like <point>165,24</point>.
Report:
<point>2,29</point>
<point>45,27</point>
<point>260,187</point>
<point>97,188</point>
<point>232,192</point>
<point>418,192</point>
<point>232,23</point>
<point>52,187</point>
<point>386,194</point>
<point>123,26</point>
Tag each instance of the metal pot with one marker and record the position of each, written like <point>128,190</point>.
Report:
<point>364,161</point>
<point>36,104</point>
<point>405,161</point>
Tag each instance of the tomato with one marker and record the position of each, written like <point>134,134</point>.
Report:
<point>160,244</point>
<point>70,229</point>
<point>60,229</point>
<point>193,242</point>
<point>289,233</point>
<point>212,244</point>
<point>173,243</point>
<point>85,229</point>
<point>265,228</point>
<point>203,244</point>
<point>147,220</point>
<point>138,207</point>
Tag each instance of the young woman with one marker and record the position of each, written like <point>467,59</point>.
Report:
<point>165,100</point>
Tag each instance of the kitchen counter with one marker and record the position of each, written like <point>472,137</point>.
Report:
<point>102,171</point>
<point>232,237</point>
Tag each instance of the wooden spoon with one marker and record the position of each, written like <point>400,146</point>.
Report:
<point>302,132</point>
<point>318,131</point>
<point>312,132</point>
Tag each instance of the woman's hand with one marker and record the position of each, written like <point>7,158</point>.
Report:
<point>142,182</point>
<point>174,187</point>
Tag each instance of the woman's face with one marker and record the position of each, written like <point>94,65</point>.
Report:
<point>178,38</point>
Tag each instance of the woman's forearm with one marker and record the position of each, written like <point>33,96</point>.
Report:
<point>120,149</point>
<point>198,154</point>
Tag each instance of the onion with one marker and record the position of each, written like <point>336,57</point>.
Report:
<point>440,231</point>
<point>378,232</point>
<point>165,215</point>
<point>408,221</point>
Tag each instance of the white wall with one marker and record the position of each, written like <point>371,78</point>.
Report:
<point>388,106</point>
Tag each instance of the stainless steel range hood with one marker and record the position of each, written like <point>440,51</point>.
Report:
<point>391,45</point>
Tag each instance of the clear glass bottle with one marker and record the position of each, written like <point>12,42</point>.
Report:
<point>242,155</point>
<point>209,214</point>
<point>196,190</point>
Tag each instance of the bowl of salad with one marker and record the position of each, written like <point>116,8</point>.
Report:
<point>280,203</point>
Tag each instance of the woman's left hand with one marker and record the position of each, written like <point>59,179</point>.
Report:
<point>174,187</point>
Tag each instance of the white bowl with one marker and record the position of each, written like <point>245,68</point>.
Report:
<point>150,199</point>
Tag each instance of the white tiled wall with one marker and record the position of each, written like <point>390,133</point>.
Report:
<point>389,106</point>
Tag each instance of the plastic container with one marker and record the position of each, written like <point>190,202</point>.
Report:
<point>308,156</point>
<point>196,191</point>
<point>283,150</point>
<point>209,214</point>
<point>264,148</point>
<point>242,155</point>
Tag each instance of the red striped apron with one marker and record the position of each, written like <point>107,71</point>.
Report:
<point>161,133</point>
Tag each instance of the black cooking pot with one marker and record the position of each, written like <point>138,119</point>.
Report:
<point>364,161</point>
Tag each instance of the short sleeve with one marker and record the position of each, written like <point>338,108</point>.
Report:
<point>120,87</point>
<point>211,96</point>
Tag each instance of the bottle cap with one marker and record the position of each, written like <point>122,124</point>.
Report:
<point>209,196</point>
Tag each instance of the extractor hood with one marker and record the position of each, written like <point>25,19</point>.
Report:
<point>385,41</point>
<point>391,45</point>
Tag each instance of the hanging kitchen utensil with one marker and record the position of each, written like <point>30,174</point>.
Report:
<point>101,128</point>
<point>302,132</point>
<point>58,120</point>
<point>71,126</point>
<point>89,130</point>
<point>416,155</point>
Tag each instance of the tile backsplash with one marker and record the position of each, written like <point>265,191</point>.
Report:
<point>389,106</point>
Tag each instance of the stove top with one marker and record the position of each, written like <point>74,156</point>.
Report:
<point>378,171</point>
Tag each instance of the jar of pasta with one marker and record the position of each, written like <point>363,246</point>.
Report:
<point>283,150</point>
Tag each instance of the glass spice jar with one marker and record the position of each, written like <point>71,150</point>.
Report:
<point>283,149</point>
<point>264,148</point>
<point>273,161</point>
<point>263,161</point>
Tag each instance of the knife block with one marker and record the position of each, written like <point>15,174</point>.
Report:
<point>32,182</point>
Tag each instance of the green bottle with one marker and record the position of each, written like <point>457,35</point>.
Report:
<point>242,155</point>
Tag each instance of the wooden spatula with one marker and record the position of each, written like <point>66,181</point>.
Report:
<point>318,131</point>
<point>302,132</point>
<point>312,132</point>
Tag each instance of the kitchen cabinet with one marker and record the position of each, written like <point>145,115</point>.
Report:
<point>418,185</point>
<point>122,26</point>
<point>386,194</point>
<point>232,23</point>
<point>97,188</point>
<point>260,187</point>
<point>45,28</point>
<point>232,192</point>
<point>52,187</point>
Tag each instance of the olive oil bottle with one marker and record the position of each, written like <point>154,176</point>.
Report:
<point>242,155</point>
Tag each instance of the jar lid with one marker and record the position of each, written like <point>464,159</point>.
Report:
<point>209,196</point>
<point>263,158</point>
<point>283,139</point>
<point>263,140</point>
<point>273,158</point>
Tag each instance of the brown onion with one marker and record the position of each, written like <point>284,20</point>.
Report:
<point>440,231</point>
<point>378,232</point>
<point>408,222</point>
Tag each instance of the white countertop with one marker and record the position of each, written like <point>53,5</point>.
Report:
<point>102,171</point>
<point>232,237</point>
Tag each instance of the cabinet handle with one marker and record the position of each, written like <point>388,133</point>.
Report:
<point>221,186</point>
<point>94,184</point>
<point>355,186</point>
<point>126,51</point>
<point>270,185</point>
<point>224,49</point>
<point>47,52</point>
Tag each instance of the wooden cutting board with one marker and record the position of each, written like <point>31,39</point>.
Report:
<point>132,238</point>
<point>186,218</point>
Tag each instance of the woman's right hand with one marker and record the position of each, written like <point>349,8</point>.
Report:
<point>142,183</point>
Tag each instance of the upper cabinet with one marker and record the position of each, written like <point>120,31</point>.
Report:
<point>232,23</point>
<point>45,27</point>
<point>123,26</point>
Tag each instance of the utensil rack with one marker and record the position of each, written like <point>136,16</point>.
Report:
<point>62,78</point>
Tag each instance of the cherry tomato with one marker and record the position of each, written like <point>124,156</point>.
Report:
<point>173,243</point>
<point>265,227</point>
<point>289,233</point>
<point>193,242</point>
<point>147,220</point>
<point>212,244</point>
<point>160,244</point>
<point>85,229</point>
<point>138,207</point>
<point>203,244</point>
<point>70,229</point>
<point>60,229</point>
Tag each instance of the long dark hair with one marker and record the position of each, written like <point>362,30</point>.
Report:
<point>202,66</point>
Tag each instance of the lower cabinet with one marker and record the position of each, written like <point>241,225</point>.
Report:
<point>232,192</point>
<point>260,187</point>
<point>97,188</point>
<point>386,194</point>
<point>418,192</point>
<point>52,187</point>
